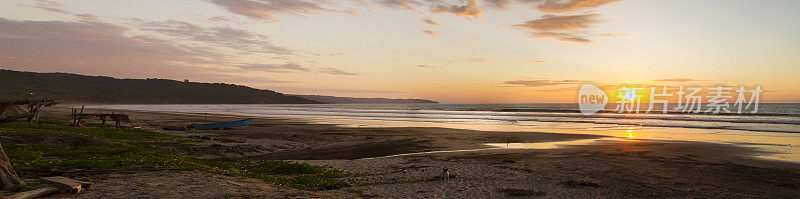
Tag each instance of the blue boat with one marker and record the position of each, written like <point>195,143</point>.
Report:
<point>222,125</point>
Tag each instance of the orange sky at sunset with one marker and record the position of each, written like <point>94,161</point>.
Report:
<point>452,51</point>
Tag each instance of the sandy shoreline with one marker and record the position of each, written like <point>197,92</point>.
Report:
<point>610,169</point>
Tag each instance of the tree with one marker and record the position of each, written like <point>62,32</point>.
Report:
<point>8,177</point>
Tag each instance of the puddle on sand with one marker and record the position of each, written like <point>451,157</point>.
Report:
<point>547,145</point>
<point>537,145</point>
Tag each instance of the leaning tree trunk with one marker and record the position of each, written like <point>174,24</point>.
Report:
<point>8,177</point>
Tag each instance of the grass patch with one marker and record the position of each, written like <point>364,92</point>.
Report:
<point>36,149</point>
<point>51,147</point>
<point>354,191</point>
<point>521,192</point>
<point>28,129</point>
<point>298,175</point>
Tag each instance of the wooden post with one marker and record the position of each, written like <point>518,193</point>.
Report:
<point>8,177</point>
<point>36,116</point>
<point>38,111</point>
<point>34,113</point>
<point>74,116</point>
<point>31,111</point>
<point>78,123</point>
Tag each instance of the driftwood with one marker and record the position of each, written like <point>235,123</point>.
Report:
<point>8,177</point>
<point>36,193</point>
<point>67,184</point>
<point>116,117</point>
<point>33,108</point>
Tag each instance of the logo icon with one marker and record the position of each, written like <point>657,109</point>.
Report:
<point>591,99</point>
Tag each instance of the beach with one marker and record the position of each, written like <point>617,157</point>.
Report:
<point>395,162</point>
<point>399,99</point>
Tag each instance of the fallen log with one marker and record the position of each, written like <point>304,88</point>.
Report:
<point>36,193</point>
<point>66,184</point>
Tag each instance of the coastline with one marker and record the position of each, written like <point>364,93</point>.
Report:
<point>611,168</point>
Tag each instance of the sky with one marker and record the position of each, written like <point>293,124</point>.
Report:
<point>452,51</point>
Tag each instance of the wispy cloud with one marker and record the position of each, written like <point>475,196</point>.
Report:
<point>406,4</point>
<point>58,7</point>
<point>481,60</point>
<point>336,71</point>
<point>220,19</point>
<point>52,6</point>
<point>426,66</point>
<point>498,4</point>
<point>614,35</point>
<point>87,17</point>
<point>470,9</point>
<point>568,28</point>
<point>267,9</point>
<point>527,61</point>
<point>677,80</point>
<point>430,21</point>
<point>430,32</point>
<point>542,82</point>
<point>570,5</point>
<point>476,60</point>
<point>221,36</point>
<point>102,48</point>
<point>95,47</point>
<point>560,23</point>
<point>561,27</point>
<point>551,5</point>
<point>280,68</point>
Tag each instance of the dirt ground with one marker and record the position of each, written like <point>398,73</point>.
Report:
<point>188,184</point>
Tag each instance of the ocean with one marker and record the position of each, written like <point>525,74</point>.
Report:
<point>775,129</point>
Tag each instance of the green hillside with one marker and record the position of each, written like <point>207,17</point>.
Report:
<point>73,88</point>
<point>362,100</point>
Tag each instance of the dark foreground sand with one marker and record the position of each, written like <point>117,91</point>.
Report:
<point>612,169</point>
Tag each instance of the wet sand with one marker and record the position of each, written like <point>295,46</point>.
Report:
<point>611,168</point>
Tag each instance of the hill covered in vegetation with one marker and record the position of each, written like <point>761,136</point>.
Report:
<point>73,88</point>
<point>359,100</point>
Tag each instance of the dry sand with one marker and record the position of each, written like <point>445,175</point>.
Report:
<point>610,169</point>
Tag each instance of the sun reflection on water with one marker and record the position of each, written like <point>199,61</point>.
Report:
<point>630,132</point>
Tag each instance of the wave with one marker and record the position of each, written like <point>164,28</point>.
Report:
<point>486,114</point>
